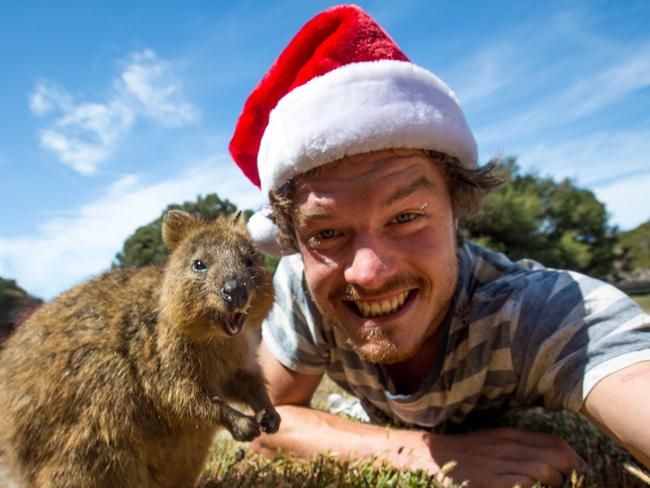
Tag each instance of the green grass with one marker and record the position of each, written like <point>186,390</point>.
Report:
<point>644,301</point>
<point>232,464</point>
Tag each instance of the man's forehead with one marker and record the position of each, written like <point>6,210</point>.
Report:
<point>360,168</point>
<point>374,180</point>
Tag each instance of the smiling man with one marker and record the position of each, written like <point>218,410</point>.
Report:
<point>377,237</point>
<point>369,167</point>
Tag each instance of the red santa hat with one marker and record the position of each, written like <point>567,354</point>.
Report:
<point>341,87</point>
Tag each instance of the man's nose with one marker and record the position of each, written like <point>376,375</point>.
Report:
<point>372,263</point>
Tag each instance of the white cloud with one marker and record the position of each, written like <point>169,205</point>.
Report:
<point>485,74</point>
<point>149,82</point>
<point>627,200</point>
<point>66,250</point>
<point>593,159</point>
<point>629,72</point>
<point>86,134</point>
<point>47,97</point>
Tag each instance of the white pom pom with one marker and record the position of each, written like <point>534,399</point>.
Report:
<point>264,233</point>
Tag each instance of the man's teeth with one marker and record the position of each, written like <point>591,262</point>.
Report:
<point>382,307</point>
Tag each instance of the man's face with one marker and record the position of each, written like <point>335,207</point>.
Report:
<point>377,237</point>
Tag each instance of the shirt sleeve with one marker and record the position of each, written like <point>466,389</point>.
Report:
<point>293,331</point>
<point>572,332</point>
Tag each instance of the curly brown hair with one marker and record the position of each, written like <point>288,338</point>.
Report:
<point>467,188</point>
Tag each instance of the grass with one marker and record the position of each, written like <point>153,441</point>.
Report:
<point>232,464</point>
<point>644,301</point>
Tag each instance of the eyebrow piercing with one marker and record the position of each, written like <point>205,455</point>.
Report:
<point>424,205</point>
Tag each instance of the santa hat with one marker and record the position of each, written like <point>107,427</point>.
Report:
<point>341,87</point>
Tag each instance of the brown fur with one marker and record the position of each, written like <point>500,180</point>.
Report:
<point>122,381</point>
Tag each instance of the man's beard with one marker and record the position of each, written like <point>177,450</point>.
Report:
<point>384,351</point>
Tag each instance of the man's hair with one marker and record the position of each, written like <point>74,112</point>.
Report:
<point>467,187</point>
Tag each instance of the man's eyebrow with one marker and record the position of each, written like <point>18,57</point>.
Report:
<point>406,190</point>
<point>304,217</point>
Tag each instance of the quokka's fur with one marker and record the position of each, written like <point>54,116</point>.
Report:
<point>123,380</point>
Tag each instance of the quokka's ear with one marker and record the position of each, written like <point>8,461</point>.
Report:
<point>175,226</point>
<point>239,220</point>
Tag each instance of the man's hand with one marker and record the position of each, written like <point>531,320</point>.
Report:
<point>501,458</point>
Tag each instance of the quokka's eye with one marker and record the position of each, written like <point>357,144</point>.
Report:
<point>199,266</point>
<point>250,263</point>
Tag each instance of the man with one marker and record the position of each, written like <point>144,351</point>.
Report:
<point>369,166</point>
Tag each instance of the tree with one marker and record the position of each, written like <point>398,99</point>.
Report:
<point>15,306</point>
<point>145,246</point>
<point>555,223</point>
<point>637,243</point>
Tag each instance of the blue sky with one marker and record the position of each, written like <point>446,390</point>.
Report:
<point>112,110</point>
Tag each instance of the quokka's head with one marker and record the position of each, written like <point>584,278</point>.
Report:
<point>215,283</point>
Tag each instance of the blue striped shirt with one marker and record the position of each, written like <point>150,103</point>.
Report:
<point>517,334</point>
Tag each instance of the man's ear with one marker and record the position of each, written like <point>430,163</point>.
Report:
<point>176,224</point>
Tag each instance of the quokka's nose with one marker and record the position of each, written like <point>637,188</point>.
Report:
<point>235,293</point>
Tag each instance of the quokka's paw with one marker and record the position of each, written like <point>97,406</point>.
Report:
<point>270,421</point>
<point>245,429</point>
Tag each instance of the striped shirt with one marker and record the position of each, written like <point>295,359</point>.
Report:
<point>517,334</point>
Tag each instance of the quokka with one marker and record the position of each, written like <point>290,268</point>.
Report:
<point>123,380</point>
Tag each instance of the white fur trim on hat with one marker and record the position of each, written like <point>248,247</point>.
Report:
<point>359,108</point>
<point>264,232</point>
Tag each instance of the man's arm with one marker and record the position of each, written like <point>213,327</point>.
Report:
<point>307,432</point>
<point>620,404</point>
<point>495,458</point>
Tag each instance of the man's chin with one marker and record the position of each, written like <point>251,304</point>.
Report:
<point>379,351</point>
<point>373,344</point>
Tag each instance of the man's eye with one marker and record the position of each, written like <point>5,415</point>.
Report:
<point>326,234</point>
<point>405,217</point>
<point>322,236</point>
<point>199,266</point>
